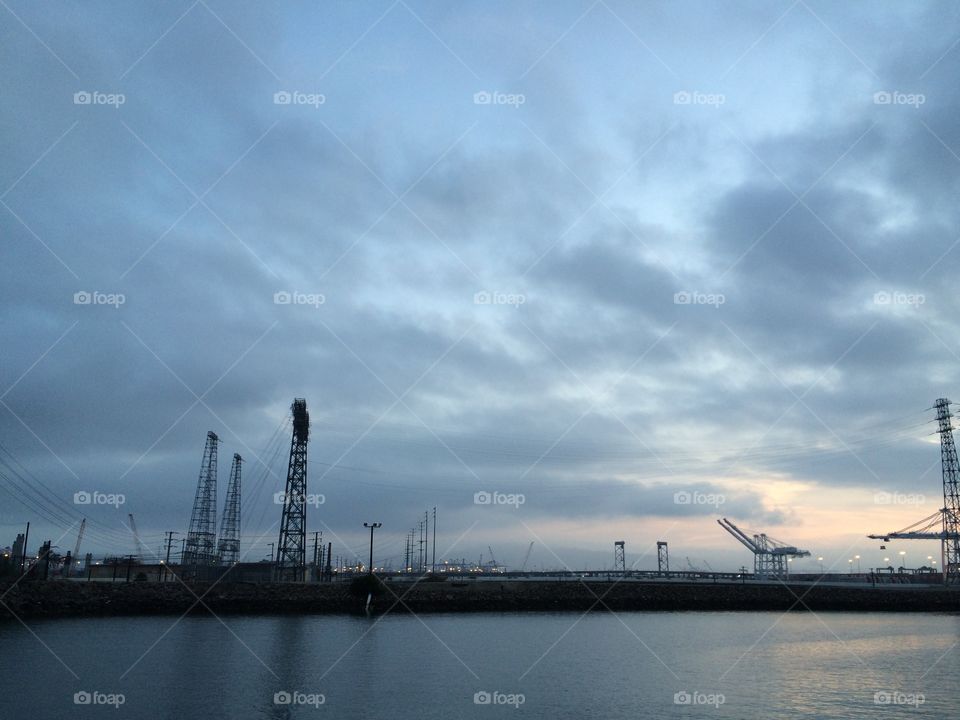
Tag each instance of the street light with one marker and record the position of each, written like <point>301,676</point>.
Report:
<point>903,561</point>
<point>372,526</point>
<point>820,560</point>
<point>857,558</point>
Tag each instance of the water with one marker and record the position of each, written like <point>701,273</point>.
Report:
<point>629,665</point>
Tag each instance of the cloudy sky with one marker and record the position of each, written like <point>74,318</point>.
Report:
<point>610,256</point>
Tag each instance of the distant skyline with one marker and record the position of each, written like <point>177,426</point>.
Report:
<point>643,265</point>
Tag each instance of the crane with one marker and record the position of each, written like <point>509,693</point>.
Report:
<point>769,556</point>
<point>526,557</point>
<point>137,545</point>
<point>943,525</point>
<point>68,565</point>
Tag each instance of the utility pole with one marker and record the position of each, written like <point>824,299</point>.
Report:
<point>433,563</point>
<point>316,541</point>
<point>329,570</point>
<point>372,526</point>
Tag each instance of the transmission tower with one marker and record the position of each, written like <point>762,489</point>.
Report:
<point>200,548</point>
<point>619,557</point>
<point>228,549</point>
<point>292,546</point>
<point>951,494</point>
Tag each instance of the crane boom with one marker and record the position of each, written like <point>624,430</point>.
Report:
<point>137,545</point>
<point>526,557</point>
<point>738,534</point>
<point>76,548</point>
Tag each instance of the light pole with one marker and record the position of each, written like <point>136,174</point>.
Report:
<point>857,558</point>
<point>820,560</point>
<point>903,560</point>
<point>372,526</point>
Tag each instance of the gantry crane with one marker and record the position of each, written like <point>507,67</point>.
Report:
<point>943,525</point>
<point>526,557</point>
<point>137,545</point>
<point>769,556</point>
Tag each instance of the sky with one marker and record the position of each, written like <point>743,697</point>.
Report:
<point>627,268</point>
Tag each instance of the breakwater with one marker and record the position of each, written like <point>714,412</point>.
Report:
<point>79,599</point>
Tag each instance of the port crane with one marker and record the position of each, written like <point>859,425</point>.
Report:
<point>770,556</point>
<point>526,557</point>
<point>137,545</point>
<point>71,559</point>
<point>943,525</point>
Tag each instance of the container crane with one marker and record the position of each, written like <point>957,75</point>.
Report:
<point>769,556</point>
<point>526,557</point>
<point>137,545</point>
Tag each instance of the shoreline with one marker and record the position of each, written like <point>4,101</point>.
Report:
<point>76,599</point>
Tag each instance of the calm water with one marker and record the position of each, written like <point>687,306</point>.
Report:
<point>631,665</point>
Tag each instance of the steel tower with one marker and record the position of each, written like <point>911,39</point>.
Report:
<point>292,546</point>
<point>202,535</point>
<point>228,549</point>
<point>619,557</point>
<point>663,557</point>
<point>951,494</point>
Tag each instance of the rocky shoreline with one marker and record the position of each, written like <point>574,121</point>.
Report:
<point>82,599</point>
